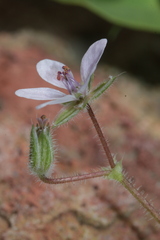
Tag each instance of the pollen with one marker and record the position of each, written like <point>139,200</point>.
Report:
<point>62,75</point>
<point>59,75</point>
<point>66,69</point>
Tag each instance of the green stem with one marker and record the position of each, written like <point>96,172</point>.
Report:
<point>141,199</point>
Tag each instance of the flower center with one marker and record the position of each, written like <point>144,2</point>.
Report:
<point>68,80</point>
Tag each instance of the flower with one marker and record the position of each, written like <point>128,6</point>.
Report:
<point>61,76</point>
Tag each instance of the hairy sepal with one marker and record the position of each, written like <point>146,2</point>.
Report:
<point>41,150</point>
<point>101,88</point>
<point>66,115</point>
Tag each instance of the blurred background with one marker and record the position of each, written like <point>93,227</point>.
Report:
<point>132,28</point>
<point>62,30</point>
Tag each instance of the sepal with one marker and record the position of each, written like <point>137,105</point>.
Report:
<point>41,156</point>
<point>101,88</point>
<point>65,115</point>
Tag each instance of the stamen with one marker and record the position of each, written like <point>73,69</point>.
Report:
<point>59,75</point>
<point>67,78</point>
<point>66,70</point>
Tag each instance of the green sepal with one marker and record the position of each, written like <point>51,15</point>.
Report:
<point>116,173</point>
<point>34,155</point>
<point>46,149</point>
<point>65,115</point>
<point>101,88</point>
<point>41,150</point>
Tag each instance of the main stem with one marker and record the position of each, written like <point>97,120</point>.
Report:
<point>101,136</point>
<point>144,202</point>
<point>141,199</point>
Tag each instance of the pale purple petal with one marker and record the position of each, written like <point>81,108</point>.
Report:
<point>65,99</point>
<point>83,89</point>
<point>91,58</point>
<point>48,70</point>
<point>40,93</point>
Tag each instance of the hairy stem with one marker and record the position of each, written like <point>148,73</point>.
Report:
<point>74,178</point>
<point>101,136</point>
<point>141,199</point>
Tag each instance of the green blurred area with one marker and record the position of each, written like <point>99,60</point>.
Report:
<point>131,27</point>
<point>135,14</point>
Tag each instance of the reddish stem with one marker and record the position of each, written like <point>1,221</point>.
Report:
<point>74,178</point>
<point>101,136</point>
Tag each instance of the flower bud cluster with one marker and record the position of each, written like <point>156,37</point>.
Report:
<point>41,155</point>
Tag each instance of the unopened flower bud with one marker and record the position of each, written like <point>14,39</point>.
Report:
<point>41,147</point>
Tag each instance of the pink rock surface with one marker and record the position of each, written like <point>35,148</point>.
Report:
<point>94,209</point>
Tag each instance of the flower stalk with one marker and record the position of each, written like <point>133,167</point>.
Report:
<point>75,178</point>
<point>101,136</point>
